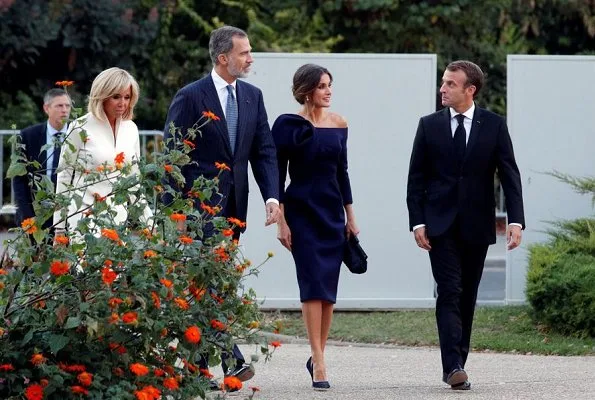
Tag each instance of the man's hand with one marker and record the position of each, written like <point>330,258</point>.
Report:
<point>421,238</point>
<point>284,234</point>
<point>273,213</point>
<point>513,236</point>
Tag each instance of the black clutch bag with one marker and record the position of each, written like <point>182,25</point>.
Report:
<point>354,256</point>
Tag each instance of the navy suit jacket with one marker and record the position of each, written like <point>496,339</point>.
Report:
<point>438,191</point>
<point>254,142</point>
<point>34,138</point>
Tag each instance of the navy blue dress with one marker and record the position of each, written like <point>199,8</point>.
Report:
<point>314,200</point>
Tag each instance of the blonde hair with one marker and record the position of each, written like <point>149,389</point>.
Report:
<point>106,84</point>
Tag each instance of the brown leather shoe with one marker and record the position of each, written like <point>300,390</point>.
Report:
<point>462,386</point>
<point>456,377</point>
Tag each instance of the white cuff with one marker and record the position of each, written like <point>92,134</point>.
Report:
<point>418,226</point>
<point>271,200</point>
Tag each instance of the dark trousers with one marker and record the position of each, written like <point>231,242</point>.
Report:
<point>457,266</point>
<point>236,358</point>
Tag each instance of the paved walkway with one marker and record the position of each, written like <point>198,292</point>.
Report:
<point>379,373</point>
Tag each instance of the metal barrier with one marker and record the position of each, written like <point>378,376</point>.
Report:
<point>147,140</point>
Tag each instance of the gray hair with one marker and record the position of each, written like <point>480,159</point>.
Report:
<point>221,41</point>
<point>52,94</point>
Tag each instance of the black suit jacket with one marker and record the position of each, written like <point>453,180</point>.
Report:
<point>34,138</point>
<point>438,191</point>
<point>254,142</point>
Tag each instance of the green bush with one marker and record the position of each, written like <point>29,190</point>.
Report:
<point>561,278</point>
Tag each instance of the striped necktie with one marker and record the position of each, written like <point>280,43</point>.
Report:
<point>231,116</point>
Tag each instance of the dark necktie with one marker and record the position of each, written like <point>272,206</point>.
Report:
<point>56,159</point>
<point>460,139</point>
<point>231,116</point>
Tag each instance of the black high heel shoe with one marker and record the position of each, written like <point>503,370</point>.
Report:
<point>320,385</point>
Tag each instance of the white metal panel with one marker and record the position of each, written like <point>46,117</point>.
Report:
<point>551,116</point>
<point>382,97</point>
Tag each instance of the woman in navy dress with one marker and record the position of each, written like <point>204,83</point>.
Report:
<point>317,210</point>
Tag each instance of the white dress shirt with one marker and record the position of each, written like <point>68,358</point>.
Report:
<point>49,139</point>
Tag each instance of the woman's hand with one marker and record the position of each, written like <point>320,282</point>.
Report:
<point>284,234</point>
<point>351,228</point>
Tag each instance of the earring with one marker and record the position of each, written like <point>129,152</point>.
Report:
<point>307,98</point>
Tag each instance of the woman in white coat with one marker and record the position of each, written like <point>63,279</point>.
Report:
<point>109,132</point>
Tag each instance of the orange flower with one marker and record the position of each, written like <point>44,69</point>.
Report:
<point>185,239</point>
<point>189,143</point>
<point>114,302</point>
<point>3,271</point>
<point>113,319</point>
<point>166,282</point>
<point>118,371</point>
<point>231,383</point>
<point>117,347</point>
<point>44,382</point>
<point>130,317</point>
<point>79,390</point>
<point>206,373</point>
<point>220,326</point>
<point>72,368</point>
<point>59,268</point>
<point>108,276</point>
<point>220,254</point>
<point>217,298</point>
<point>119,159</point>
<point>222,166</point>
<point>34,392</point>
<point>108,263</point>
<point>150,254</point>
<point>147,393</point>
<point>156,300</point>
<point>177,217</point>
<point>6,367</point>
<point>99,198</point>
<point>236,221</point>
<point>85,378</point>
<point>183,304</point>
<point>64,83</point>
<point>28,225</point>
<point>210,115</point>
<point>246,301</point>
<point>111,234</point>
<point>139,369</point>
<point>276,344</point>
<point>227,232</point>
<point>168,168</point>
<point>192,334</point>
<point>37,359</point>
<point>158,372</point>
<point>196,292</point>
<point>171,383</point>
<point>209,210</point>
<point>61,239</point>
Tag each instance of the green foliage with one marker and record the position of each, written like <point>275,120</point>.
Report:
<point>561,275</point>
<point>111,294</point>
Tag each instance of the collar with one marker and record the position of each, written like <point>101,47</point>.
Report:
<point>51,131</point>
<point>220,83</point>
<point>469,113</point>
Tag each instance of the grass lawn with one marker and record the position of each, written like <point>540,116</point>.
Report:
<point>501,329</point>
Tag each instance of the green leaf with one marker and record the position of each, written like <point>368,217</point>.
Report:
<point>16,169</point>
<point>72,322</point>
<point>57,343</point>
<point>27,337</point>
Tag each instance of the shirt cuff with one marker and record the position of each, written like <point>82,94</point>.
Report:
<point>271,200</point>
<point>418,226</point>
<point>516,224</point>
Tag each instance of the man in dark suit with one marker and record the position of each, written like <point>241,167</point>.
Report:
<point>450,197</point>
<point>241,135</point>
<point>56,104</point>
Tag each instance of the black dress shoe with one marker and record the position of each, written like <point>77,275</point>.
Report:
<point>242,372</point>
<point>462,386</point>
<point>321,385</point>
<point>456,377</point>
<point>310,368</point>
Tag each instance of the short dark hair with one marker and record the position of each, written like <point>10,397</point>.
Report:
<point>221,41</point>
<point>474,74</point>
<point>52,94</point>
<point>306,79</point>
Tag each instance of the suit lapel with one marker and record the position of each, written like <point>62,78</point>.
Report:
<point>211,102</point>
<point>475,128</point>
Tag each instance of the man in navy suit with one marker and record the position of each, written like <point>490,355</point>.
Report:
<point>56,104</point>
<point>450,197</point>
<point>241,135</point>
